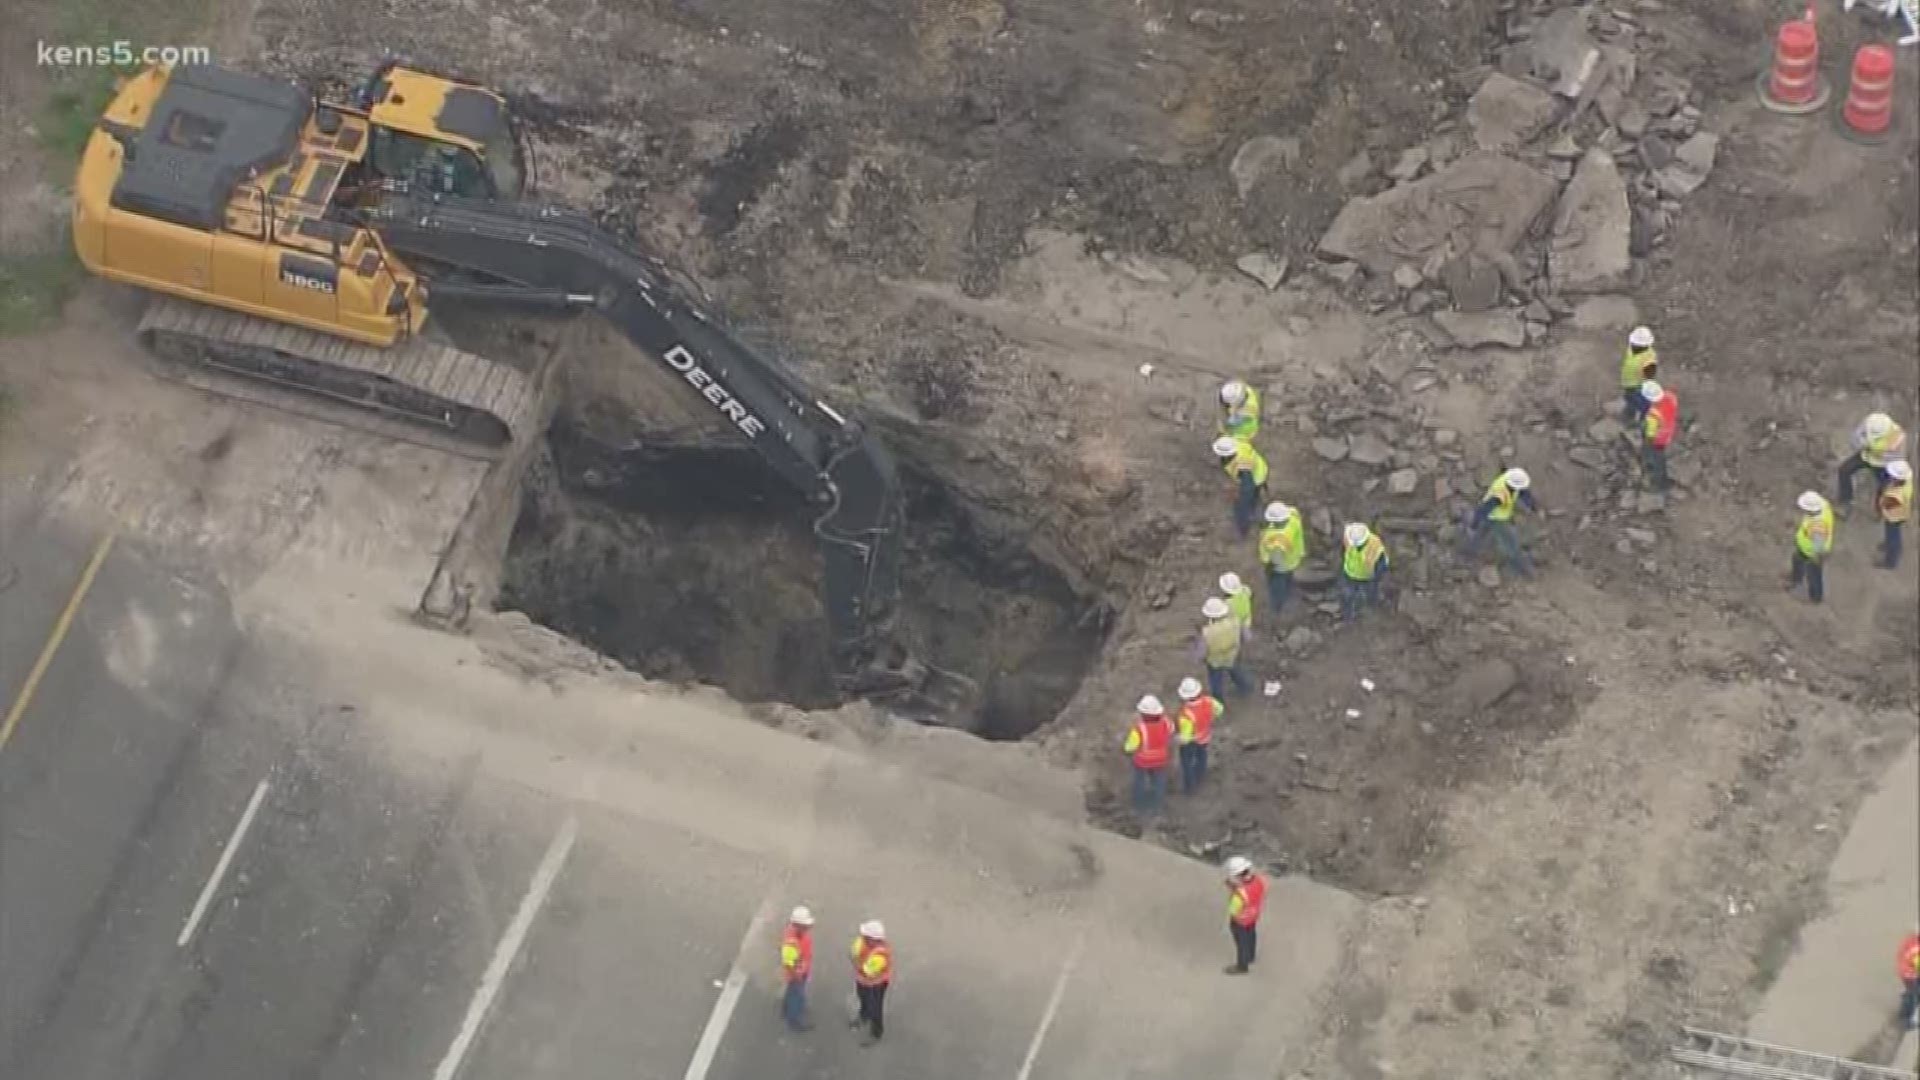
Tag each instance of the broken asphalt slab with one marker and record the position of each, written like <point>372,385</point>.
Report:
<point>1592,227</point>
<point>1505,113</point>
<point>1473,329</point>
<point>1486,200</point>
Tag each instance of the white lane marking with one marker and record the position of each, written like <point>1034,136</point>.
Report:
<point>722,1015</point>
<point>220,868</point>
<point>1053,1007</point>
<point>509,947</point>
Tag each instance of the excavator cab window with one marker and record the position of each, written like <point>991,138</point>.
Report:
<point>428,166</point>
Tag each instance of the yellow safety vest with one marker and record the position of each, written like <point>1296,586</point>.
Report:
<point>1242,423</point>
<point>1896,502</point>
<point>1246,458</point>
<point>1503,499</point>
<point>1222,638</point>
<point>1877,451</point>
<point>1283,546</point>
<point>1359,563</point>
<point>1241,605</point>
<point>1814,538</point>
<point>1633,369</point>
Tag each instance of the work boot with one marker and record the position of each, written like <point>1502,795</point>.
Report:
<point>1235,969</point>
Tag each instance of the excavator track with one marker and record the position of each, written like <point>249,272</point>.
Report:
<point>418,390</point>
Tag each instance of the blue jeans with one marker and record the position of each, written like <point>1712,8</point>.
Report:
<point>1505,538</point>
<point>1149,789</point>
<point>1193,766</point>
<point>1654,460</point>
<point>1853,465</point>
<point>1356,596</point>
<point>1636,405</point>
<point>1890,547</point>
<point>1279,587</point>
<point>1217,680</point>
<point>1244,504</point>
<point>793,1004</point>
<point>1910,1003</point>
<point>1813,572</point>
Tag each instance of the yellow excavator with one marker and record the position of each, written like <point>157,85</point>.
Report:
<point>298,246</point>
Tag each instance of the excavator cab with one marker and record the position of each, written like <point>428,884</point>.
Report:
<point>440,135</point>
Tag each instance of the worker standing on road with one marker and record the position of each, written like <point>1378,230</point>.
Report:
<point>1239,601</point>
<point>796,966</point>
<point>1361,568</point>
<point>1239,410</point>
<point>1658,426</point>
<point>1282,548</point>
<point>1246,895</point>
<point>1495,515</point>
<point>1249,472</point>
<point>1812,542</point>
<point>872,974</point>
<point>1907,963</point>
<point>1198,711</point>
<point>1876,442</point>
<point>1637,367</point>
<point>1896,505</point>
<point>1150,745</point>
<point>1219,646</point>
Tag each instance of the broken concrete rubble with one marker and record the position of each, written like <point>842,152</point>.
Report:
<point>1473,329</point>
<point>1591,229</point>
<point>1473,282</point>
<point>1402,482</point>
<point>1369,449</point>
<point>1330,449</point>
<point>1409,164</point>
<point>1563,53</point>
<point>1483,202</point>
<point>1506,113</point>
<point>1266,269</point>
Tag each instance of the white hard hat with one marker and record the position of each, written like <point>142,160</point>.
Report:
<point>1356,534</point>
<point>1879,424</point>
<point>801,916</point>
<point>872,929</point>
<point>1811,502</point>
<point>1237,865</point>
<point>1517,479</point>
<point>1226,446</point>
<point>1899,469</point>
<point>1189,689</point>
<point>1150,706</point>
<point>1641,338</point>
<point>1214,608</point>
<point>1651,390</point>
<point>1229,582</point>
<point>1233,393</point>
<point>1278,512</point>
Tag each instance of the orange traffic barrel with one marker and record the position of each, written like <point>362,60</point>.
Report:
<point>1794,84</point>
<point>1868,114</point>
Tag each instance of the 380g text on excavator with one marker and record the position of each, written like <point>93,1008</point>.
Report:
<point>299,243</point>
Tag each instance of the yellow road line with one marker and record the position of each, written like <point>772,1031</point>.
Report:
<point>60,628</point>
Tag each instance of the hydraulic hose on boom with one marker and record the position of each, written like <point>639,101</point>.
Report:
<point>546,255</point>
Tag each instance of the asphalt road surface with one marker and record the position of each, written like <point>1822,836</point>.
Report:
<point>334,845</point>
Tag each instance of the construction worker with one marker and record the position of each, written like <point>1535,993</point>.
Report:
<point>1249,472</point>
<point>1637,367</point>
<point>1361,568</point>
<point>1495,515</point>
<point>1150,746</point>
<point>796,965</point>
<point>1907,963</point>
<point>1812,542</point>
<point>1239,600</point>
<point>1198,711</point>
<point>872,974</point>
<point>1877,441</point>
<point>1246,895</point>
<point>1219,645</point>
<point>1283,546</point>
<point>1658,425</point>
<point>1896,503</point>
<point>1239,410</point>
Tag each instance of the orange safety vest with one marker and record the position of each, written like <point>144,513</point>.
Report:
<point>1151,742</point>
<point>1909,958</point>
<point>1247,898</point>
<point>796,954</point>
<point>1663,417</point>
<point>1196,720</point>
<point>872,962</point>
